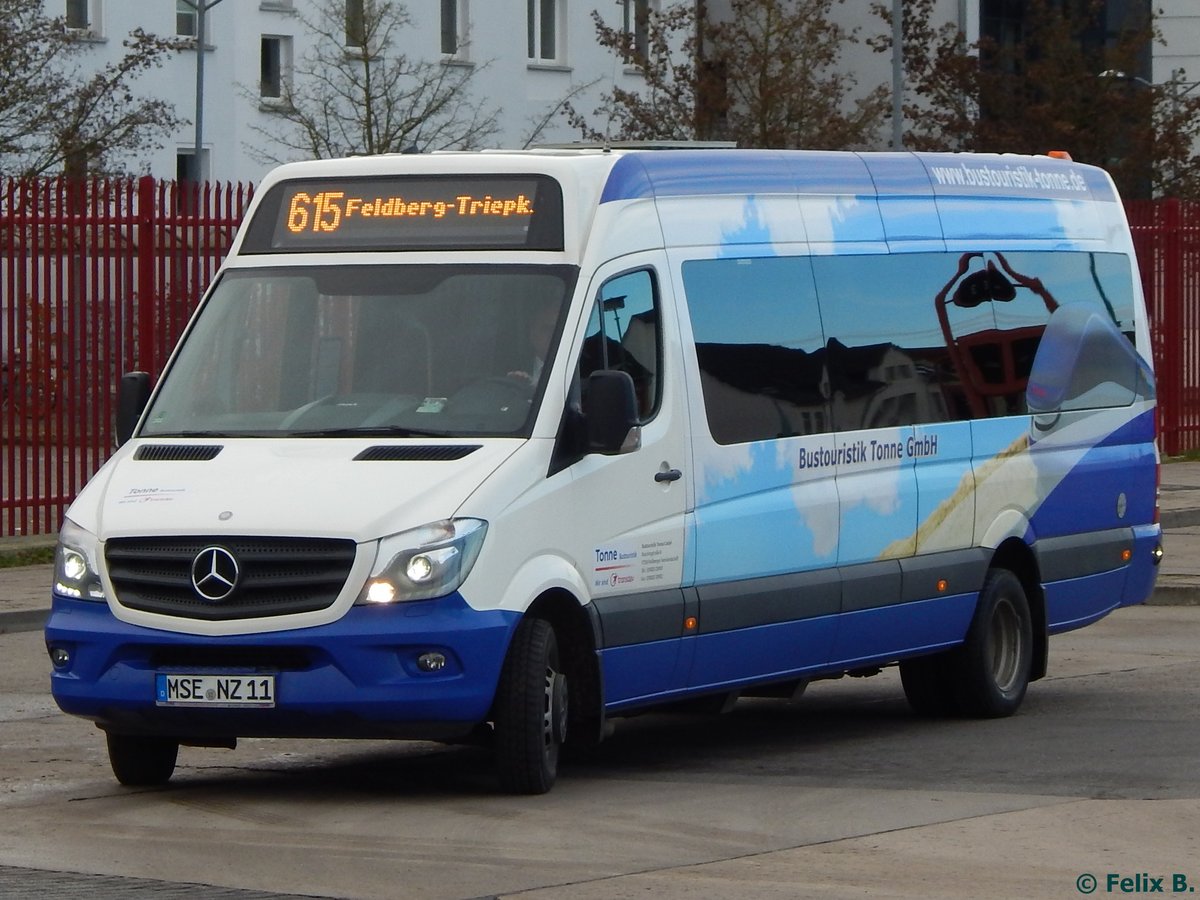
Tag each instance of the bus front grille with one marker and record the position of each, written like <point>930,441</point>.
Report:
<point>226,577</point>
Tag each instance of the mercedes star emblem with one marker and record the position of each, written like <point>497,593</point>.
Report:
<point>214,574</point>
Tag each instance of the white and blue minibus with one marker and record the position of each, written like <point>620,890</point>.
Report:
<point>504,446</point>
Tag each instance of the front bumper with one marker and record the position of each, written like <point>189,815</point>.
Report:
<point>356,677</point>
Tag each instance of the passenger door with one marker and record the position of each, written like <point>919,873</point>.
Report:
<point>630,507</point>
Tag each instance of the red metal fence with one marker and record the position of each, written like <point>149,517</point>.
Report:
<point>98,278</point>
<point>1166,234</point>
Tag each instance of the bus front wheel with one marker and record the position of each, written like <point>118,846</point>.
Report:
<point>530,715</point>
<point>141,761</point>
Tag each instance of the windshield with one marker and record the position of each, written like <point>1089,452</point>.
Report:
<point>450,350</point>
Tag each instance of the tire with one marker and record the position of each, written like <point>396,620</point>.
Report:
<point>991,669</point>
<point>531,710</point>
<point>928,685</point>
<point>141,761</point>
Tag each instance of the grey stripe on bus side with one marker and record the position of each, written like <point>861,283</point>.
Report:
<point>659,615</point>
<point>1077,555</point>
<point>962,570</point>
<point>767,601</point>
<point>640,618</point>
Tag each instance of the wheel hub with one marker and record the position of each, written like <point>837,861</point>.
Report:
<point>556,707</point>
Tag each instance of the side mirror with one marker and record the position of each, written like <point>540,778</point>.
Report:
<point>132,396</point>
<point>610,413</point>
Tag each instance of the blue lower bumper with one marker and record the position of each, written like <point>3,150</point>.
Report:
<point>356,677</point>
<point>1143,568</point>
<point>1076,602</point>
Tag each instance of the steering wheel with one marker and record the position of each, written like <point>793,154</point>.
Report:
<point>496,396</point>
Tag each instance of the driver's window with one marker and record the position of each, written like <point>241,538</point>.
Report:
<point>624,333</point>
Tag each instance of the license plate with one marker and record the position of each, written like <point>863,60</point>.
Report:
<point>174,689</point>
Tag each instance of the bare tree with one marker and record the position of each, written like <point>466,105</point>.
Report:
<point>665,106</point>
<point>781,65</point>
<point>354,92</point>
<point>52,118</point>
<point>766,76</point>
<point>1057,89</point>
<point>537,125</point>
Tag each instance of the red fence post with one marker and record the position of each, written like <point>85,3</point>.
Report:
<point>1170,374</point>
<point>147,287</point>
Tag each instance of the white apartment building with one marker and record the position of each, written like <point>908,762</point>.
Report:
<point>537,52</point>
<point>1178,59</point>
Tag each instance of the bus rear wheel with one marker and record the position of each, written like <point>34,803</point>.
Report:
<point>993,664</point>
<point>928,686</point>
<point>987,675</point>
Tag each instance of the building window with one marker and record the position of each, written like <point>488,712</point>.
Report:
<point>185,19</point>
<point>762,361</point>
<point>274,64</point>
<point>454,27</point>
<point>187,199</point>
<point>78,14</point>
<point>544,18</point>
<point>636,26</point>
<point>450,27</point>
<point>83,16</point>
<point>356,23</point>
<point>186,168</point>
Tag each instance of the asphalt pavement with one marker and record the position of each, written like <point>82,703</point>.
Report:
<point>25,590</point>
<point>844,801</point>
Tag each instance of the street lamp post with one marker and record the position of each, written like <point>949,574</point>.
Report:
<point>201,7</point>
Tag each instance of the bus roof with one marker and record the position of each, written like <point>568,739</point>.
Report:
<point>900,199</point>
<point>698,172</point>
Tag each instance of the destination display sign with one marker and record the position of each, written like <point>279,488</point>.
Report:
<point>390,213</point>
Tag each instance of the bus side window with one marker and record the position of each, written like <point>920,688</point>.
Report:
<point>760,347</point>
<point>623,333</point>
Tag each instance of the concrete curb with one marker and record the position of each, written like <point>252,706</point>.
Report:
<point>16,552</point>
<point>1175,595</point>
<point>23,620</point>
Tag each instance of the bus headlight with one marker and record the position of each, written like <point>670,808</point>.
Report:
<point>75,571</point>
<point>430,561</point>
